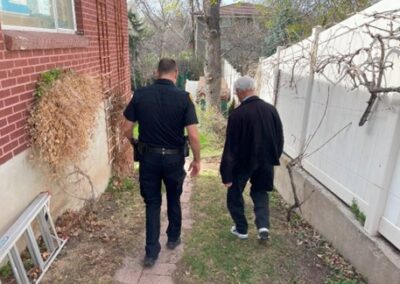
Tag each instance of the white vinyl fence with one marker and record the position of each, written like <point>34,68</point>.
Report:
<point>191,87</point>
<point>321,113</point>
<point>230,74</point>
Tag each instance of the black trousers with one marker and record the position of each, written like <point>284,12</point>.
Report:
<point>261,180</point>
<point>154,169</point>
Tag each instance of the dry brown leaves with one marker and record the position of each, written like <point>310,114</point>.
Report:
<point>309,238</point>
<point>123,152</point>
<point>63,119</point>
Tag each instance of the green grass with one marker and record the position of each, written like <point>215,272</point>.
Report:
<point>6,270</point>
<point>360,216</point>
<point>116,185</point>
<point>208,148</point>
<point>136,131</point>
<point>213,255</point>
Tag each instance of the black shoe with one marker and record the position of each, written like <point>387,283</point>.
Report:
<point>172,245</point>
<point>263,234</point>
<point>149,261</point>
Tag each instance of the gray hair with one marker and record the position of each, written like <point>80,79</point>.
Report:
<point>245,83</point>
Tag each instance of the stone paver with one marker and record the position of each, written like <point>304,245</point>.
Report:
<point>156,279</point>
<point>133,272</point>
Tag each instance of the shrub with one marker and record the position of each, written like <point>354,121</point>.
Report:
<point>63,118</point>
<point>122,150</point>
<point>213,126</point>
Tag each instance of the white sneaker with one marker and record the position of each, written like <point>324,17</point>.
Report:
<point>263,234</point>
<point>239,235</point>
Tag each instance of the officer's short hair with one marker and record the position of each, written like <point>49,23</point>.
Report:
<point>167,65</point>
<point>245,83</point>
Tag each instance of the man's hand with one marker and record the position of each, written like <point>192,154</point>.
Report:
<point>194,168</point>
<point>128,129</point>
<point>228,185</point>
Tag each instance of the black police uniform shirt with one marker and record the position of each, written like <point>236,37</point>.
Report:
<point>162,111</point>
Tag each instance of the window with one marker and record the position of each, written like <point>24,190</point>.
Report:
<point>48,15</point>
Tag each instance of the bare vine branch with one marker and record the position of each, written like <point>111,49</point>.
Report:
<point>367,66</point>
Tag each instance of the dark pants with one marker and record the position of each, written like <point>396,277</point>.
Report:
<point>261,181</point>
<point>155,169</point>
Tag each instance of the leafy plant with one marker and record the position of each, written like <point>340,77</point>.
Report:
<point>46,81</point>
<point>6,270</point>
<point>360,216</point>
<point>190,65</point>
<point>213,126</point>
<point>289,21</point>
<point>117,184</point>
<point>127,184</point>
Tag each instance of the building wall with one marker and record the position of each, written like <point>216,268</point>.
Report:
<point>230,74</point>
<point>21,180</point>
<point>19,69</point>
<point>23,57</point>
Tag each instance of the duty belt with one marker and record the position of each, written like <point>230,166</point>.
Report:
<point>162,151</point>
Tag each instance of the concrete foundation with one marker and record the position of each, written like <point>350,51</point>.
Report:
<point>373,257</point>
<point>21,180</point>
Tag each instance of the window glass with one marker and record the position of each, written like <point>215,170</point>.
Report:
<point>65,14</point>
<point>37,14</point>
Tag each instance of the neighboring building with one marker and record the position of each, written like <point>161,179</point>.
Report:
<point>88,36</point>
<point>230,15</point>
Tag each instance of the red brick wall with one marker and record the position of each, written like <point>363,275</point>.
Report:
<point>19,70</point>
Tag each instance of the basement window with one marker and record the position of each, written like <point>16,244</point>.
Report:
<point>38,15</point>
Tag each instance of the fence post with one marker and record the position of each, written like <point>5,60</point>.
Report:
<point>277,75</point>
<point>308,95</point>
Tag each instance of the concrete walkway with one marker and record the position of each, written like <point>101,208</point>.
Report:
<point>133,272</point>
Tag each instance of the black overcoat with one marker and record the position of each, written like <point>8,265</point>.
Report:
<point>254,138</point>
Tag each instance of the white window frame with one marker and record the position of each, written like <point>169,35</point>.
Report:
<point>55,30</point>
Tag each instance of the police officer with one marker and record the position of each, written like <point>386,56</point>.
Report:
<point>254,144</point>
<point>163,112</point>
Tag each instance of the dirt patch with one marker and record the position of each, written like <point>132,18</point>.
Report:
<point>100,236</point>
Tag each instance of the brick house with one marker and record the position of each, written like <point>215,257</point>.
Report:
<point>88,36</point>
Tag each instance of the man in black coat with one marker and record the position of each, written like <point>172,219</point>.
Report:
<point>254,144</point>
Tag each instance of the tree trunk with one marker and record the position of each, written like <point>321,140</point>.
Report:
<point>192,11</point>
<point>212,67</point>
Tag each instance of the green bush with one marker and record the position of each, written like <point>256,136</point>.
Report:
<point>6,270</point>
<point>212,131</point>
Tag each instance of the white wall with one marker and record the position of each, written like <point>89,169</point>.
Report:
<point>21,180</point>
<point>356,163</point>
<point>191,87</point>
<point>230,74</point>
